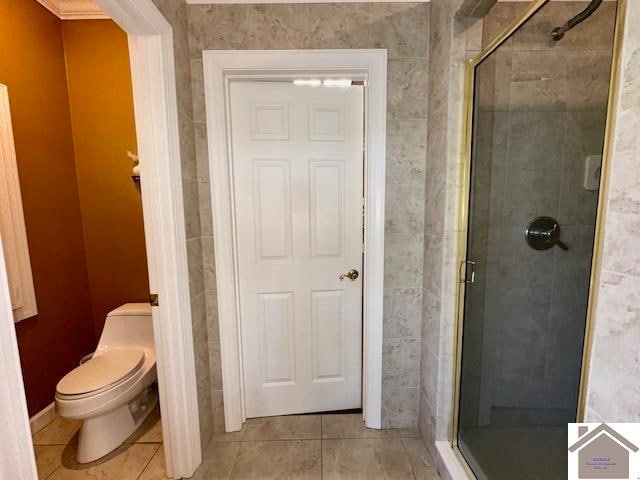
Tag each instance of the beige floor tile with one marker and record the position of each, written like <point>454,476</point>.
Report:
<point>156,469</point>
<point>416,451</point>
<point>426,473</point>
<point>125,463</point>
<point>420,459</point>
<point>278,460</point>
<point>351,426</point>
<point>58,432</point>
<point>408,432</point>
<point>291,427</point>
<point>365,459</point>
<point>48,458</point>
<point>217,461</point>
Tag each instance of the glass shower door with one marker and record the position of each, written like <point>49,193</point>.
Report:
<point>538,132</point>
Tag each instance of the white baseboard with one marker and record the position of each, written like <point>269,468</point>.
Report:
<point>43,418</point>
<point>451,463</point>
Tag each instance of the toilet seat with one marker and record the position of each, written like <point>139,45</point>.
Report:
<point>102,372</point>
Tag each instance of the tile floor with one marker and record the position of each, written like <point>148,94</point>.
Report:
<point>141,457</point>
<point>300,447</point>
<point>314,447</point>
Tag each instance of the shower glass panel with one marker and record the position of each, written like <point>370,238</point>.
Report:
<point>539,116</point>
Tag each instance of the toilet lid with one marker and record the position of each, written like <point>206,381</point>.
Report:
<point>101,371</point>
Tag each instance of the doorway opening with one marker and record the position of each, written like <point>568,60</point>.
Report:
<point>150,40</point>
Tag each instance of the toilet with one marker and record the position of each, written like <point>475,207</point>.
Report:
<point>114,391</point>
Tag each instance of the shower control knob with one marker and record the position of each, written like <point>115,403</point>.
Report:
<point>543,233</point>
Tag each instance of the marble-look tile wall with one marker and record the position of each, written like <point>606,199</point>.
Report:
<point>614,383</point>
<point>448,44</point>
<point>542,110</point>
<point>401,28</point>
<point>176,14</point>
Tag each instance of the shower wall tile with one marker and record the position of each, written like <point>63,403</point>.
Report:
<point>426,423</point>
<point>197,87</point>
<point>625,194</point>
<point>584,136</point>
<point>589,73</point>
<point>206,219</point>
<point>191,210</point>
<point>538,75</point>
<point>401,362</point>
<point>400,407</point>
<point>536,139</point>
<point>187,151</point>
<point>593,34</point>
<point>429,375</point>
<point>494,82</point>
<point>403,268</point>
<point>194,261</point>
<point>406,149</point>
<point>217,27</point>
<point>338,26</point>
<point>433,251</point>
<point>209,263</point>
<point>622,243</point>
<point>202,155</point>
<point>614,385</point>
<point>405,213</point>
<point>430,328</point>
<point>436,171</point>
<point>277,26</point>
<point>403,30</point>
<point>442,165</point>
<point>406,88</point>
<point>402,310</point>
<point>201,353</point>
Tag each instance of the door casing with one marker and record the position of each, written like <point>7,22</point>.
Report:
<point>220,68</point>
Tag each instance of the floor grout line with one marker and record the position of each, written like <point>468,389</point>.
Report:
<point>406,456</point>
<point>321,449</point>
<point>150,460</point>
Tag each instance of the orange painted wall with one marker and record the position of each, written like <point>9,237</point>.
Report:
<point>32,66</point>
<point>103,127</point>
<point>70,92</point>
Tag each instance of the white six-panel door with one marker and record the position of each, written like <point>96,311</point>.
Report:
<point>297,154</point>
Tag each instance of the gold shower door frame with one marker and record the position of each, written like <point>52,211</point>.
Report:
<point>464,201</point>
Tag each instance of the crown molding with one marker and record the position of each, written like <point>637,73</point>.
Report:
<point>74,9</point>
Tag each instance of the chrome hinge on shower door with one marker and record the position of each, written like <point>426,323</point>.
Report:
<point>468,272</point>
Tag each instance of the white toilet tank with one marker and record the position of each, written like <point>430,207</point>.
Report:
<point>129,325</point>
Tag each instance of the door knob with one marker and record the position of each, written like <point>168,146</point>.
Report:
<point>351,275</point>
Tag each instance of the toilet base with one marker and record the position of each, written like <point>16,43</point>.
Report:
<point>101,435</point>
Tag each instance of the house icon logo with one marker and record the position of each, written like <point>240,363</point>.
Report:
<point>603,452</point>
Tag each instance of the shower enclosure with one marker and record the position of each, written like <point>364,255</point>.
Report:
<point>540,99</point>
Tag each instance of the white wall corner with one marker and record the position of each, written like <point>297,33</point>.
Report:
<point>74,9</point>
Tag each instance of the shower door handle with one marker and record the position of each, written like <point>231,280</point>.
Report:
<point>468,272</point>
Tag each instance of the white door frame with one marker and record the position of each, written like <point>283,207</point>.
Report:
<point>223,66</point>
<point>156,115</point>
